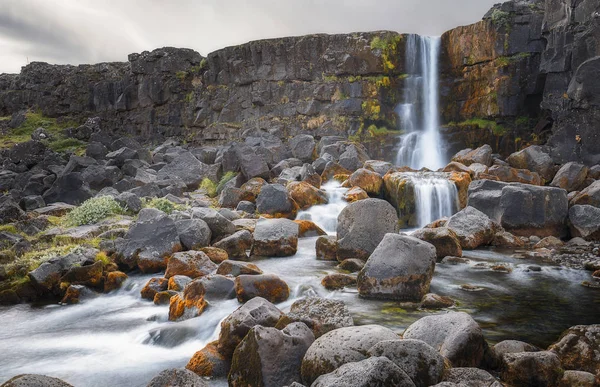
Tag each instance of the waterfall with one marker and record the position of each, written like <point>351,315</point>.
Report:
<point>435,197</point>
<point>420,145</point>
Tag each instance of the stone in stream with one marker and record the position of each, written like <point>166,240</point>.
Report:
<point>308,228</point>
<point>423,364</point>
<point>270,357</point>
<point>355,194</point>
<point>274,200</point>
<point>306,195</point>
<point>215,254</point>
<point>362,225</point>
<point>400,268</point>
<point>435,301</point>
<point>371,182</point>
<point>472,227</point>
<point>189,304</point>
<point>341,346</point>
<point>275,238</point>
<point>268,286</point>
<point>455,335</point>
<point>352,265</point>
<point>444,240</point>
<point>236,268</point>
<point>164,297</point>
<point>234,328</point>
<point>219,225</point>
<point>337,281</point>
<point>32,380</point>
<point>177,377</point>
<point>209,362</point>
<point>579,348</point>
<point>114,280</point>
<point>191,264</point>
<point>153,286</point>
<point>326,248</point>
<point>178,282</point>
<point>236,245</point>
<point>371,372</point>
<point>321,315</point>
<point>541,368</point>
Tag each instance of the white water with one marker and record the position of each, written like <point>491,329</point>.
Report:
<point>435,197</point>
<point>326,215</point>
<point>420,146</point>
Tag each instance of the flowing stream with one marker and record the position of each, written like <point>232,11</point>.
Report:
<point>121,340</point>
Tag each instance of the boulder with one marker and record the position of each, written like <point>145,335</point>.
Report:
<point>372,372</point>
<point>308,228</point>
<point>481,155</point>
<point>246,206</point>
<point>177,377</point>
<point>191,264</point>
<point>236,244</point>
<point>578,378</point>
<point>362,225</point>
<point>275,238</point>
<point>188,169</point>
<point>209,362</point>
<point>337,281</point>
<point>578,348</point>
<point>400,268</point>
<point>178,282</point>
<point>10,211</point>
<point>535,159</point>
<point>589,195</point>
<point>472,227</point>
<point>234,328</point>
<point>114,280</point>
<point>435,301</point>
<point>219,225</point>
<point>214,254</point>
<point>306,195</point>
<point>267,286</point>
<point>371,182</point>
<point>27,153</point>
<point>470,376</point>
<point>218,287</point>
<point>341,346</point>
<point>153,286</point>
<point>531,369</point>
<point>380,167</point>
<point>455,335</point>
<point>513,346</point>
<point>88,275</point>
<point>444,240</point>
<point>584,222</point>
<point>512,175</point>
<point>252,163</point>
<point>326,248</point>
<point>275,201</point>
<point>164,297</point>
<point>423,364</point>
<point>333,169</point>
<point>236,268</point>
<point>119,156</point>
<point>100,176</point>
<point>190,304</point>
<point>231,197</point>
<point>46,278</point>
<point>269,356</point>
<point>522,209</point>
<point>570,176</point>
<point>193,233</point>
<point>150,241</point>
<point>321,315</point>
<point>69,188</point>
<point>303,147</point>
<point>31,380</point>
<point>355,194</point>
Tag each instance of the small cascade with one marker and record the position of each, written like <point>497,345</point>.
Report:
<point>325,216</point>
<point>420,145</point>
<point>435,197</point>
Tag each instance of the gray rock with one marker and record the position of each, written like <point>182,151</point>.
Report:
<point>578,378</point>
<point>455,335</point>
<point>246,206</point>
<point>270,357</point>
<point>193,233</point>
<point>372,372</point>
<point>236,244</point>
<point>96,150</point>
<point>353,157</point>
<point>535,159</point>
<point>130,201</point>
<point>472,227</point>
<point>29,203</point>
<point>471,377</point>
<point>302,147</point>
<point>444,240</point>
<point>275,238</point>
<point>513,346</point>
<point>380,167</point>
<point>589,195</point>
<point>481,155</point>
<point>70,189</point>
<point>217,287</point>
<point>570,176</point>
<point>275,200</point>
<point>584,222</point>
<point>362,225</point>
<point>236,268</point>
<point>189,169</point>
<point>400,268</point>
<point>267,286</point>
<point>10,211</point>
<point>191,264</point>
<point>47,277</point>
<point>423,364</point>
<point>179,377</point>
<point>218,224</point>
<point>251,163</point>
<point>579,348</point>
<point>31,380</point>
<point>118,157</point>
<point>341,346</point>
<point>321,315</point>
<point>531,369</point>
<point>100,176</point>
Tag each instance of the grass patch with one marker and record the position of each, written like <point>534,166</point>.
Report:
<point>164,205</point>
<point>225,179</point>
<point>389,49</point>
<point>497,129</point>
<point>94,210</point>
<point>209,186</point>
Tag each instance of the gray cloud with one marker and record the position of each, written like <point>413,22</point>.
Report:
<point>88,31</point>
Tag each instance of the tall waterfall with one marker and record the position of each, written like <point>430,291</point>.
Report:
<point>420,145</point>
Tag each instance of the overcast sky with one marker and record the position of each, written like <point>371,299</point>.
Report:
<point>90,31</point>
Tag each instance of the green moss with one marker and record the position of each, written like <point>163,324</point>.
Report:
<point>375,131</point>
<point>497,129</point>
<point>67,145</point>
<point>225,179</point>
<point>522,121</point>
<point>189,97</point>
<point>181,75</point>
<point>329,78</point>
<point>501,18</point>
<point>94,210</point>
<point>389,49</point>
<point>371,109</point>
<point>209,186</point>
<point>163,205</point>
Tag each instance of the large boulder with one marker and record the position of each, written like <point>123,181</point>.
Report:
<point>189,169</point>
<point>531,369</point>
<point>150,241</point>
<point>570,176</point>
<point>275,238</point>
<point>234,328</point>
<point>193,233</point>
<point>423,364</point>
<point>306,195</point>
<point>191,264</point>
<point>455,335</point>
<point>341,346</point>
<point>177,377</point>
<point>69,188</point>
<point>267,286</point>
<point>589,195</point>
<point>444,240</point>
<point>579,348</point>
<point>46,278</point>
<point>400,268</point>
<point>362,225</point>
<point>275,201</point>
<point>371,372</point>
<point>252,163</point>
<point>303,147</point>
<point>270,357</point>
<point>236,244</point>
<point>236,268</point>
<point>219,225</point>
<point>481,155</point>
<point>209,362</point>
<point>512,175</point>
<point>321,315</point>
<point>584,221</point>
<point>535,159</point>
<point>371,182</point>
<point>522,209</point>
<point>31,380</point>
<point>472,227</point>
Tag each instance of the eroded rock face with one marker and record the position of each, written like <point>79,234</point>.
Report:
<point>400,268</point>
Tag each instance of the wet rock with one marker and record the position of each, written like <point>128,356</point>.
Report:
<point>306,195</point>
<point>549,243</point>
<point>352,265</point>
<point>371,182</point>
<point>275,201</point>
<point>236,268</point>
<point>74,294</point>
<point>218,287</point>
<point>444,240</point>
<point>234,328</point>
<point>190,304</point>
<point>326,248</point>
<point>270,357</point>
<point>164,297</point>
<point>531,369</point>
<point>321,315</point>
<point>570,177</point>
<point>481,155</point>
<point>362,225</point>
<point>236,245</point>
<point>435,301</point>
<point>178,282</point>
<point>177,377</point>
<point>193,233</point>
<point>472,227</point>
<point>150,241</point>
<point>308,228</point>
<point>423,364</point>
<point>215,254</point>
<point>332,169</point>
<point>375,371</point>
<point>89,275</point>
<point>341,346</point>
<point>400,268</point>
<point>267,286</point>
<point>209,362</point>
<point>508,240</point>
<point>338,281</point>
<point>153,286</point>
<point>468,376</point>
<point>46,278</point>
<point>219,225</point>
<point>455,335</point>
<point>355,194</point>
<point>31,380</point>
<point>584,222</point>
<point>513,346</point>
<point>579,348</point>
<point>190,264</point>
<point>275,238</point>
<point>114,280</point>
<point>535,159</point>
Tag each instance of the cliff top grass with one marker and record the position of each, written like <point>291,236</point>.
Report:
<point>33,120</point>
<point>481,123</point>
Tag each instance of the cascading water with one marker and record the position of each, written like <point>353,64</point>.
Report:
<point>420,145</point>
<point>435,197</point>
